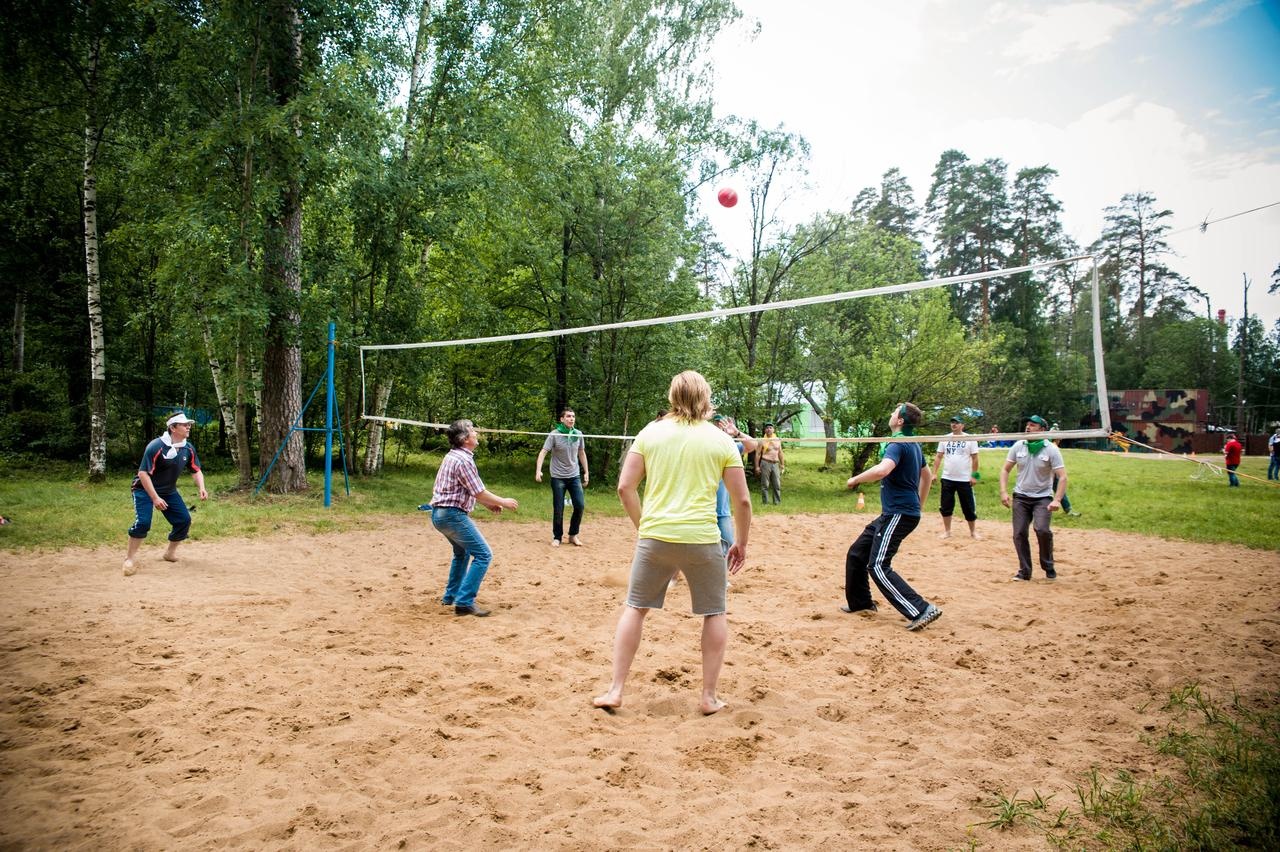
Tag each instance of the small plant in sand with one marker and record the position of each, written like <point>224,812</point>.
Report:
<point>1226,797</point>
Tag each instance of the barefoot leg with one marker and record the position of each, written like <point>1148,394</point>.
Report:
<point>129,565</point>
<point>171,554</point>
<point>626,641</point>
<point>715,636</point>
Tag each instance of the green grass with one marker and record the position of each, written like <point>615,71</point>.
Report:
<point>52,505</point>
<point>1224,795</point>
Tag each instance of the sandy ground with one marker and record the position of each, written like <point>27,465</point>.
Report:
<point>309,692</point>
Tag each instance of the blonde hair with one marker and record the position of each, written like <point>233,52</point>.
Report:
<point>690,397</point>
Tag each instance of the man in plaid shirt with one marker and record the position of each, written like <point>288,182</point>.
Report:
<point>458,488</point>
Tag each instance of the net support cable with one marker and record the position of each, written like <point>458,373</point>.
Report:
<point>848,295</point>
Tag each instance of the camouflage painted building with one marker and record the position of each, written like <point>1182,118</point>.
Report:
<point>1167,419</point>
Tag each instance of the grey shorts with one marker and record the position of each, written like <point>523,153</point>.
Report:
<point>656,562</point>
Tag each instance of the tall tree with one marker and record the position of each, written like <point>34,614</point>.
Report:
<point>1136,272</point>
<point>968,206</point>
<point>282,273</point>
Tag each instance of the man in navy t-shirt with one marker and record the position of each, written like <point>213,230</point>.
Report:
<point>904,484</point>
<point>156,487</point>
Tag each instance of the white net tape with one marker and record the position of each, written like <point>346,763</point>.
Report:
<point>1100,375</point>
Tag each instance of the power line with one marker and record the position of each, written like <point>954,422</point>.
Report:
<point>1204,226</point>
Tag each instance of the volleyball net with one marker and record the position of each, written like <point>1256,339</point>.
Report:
<point>451,357</point>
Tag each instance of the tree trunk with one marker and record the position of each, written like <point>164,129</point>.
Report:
<point>282,357</point>
<point>244,461</point>
<point>97,343</point>
<point>19,331</point>
<point>377,429</point>
<point>561,344</point>
<point>225,405</point>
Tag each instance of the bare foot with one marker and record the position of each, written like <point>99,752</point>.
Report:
<point>608,702</point>
<point>169,557</point>
<point>945,535</point>
<point>977,536</point>
<point>715,705</point>
<point>555,542</point>
<point>575,541</point>
<point>129,567</point>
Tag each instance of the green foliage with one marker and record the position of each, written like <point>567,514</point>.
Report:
<point>476,168</point>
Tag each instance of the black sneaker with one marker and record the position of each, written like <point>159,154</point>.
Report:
<point>866,610</point>
<point>1051,574</point>
<point>929,616</point>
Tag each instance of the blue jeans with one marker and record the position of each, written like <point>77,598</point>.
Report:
<point>1273,469</point>
<point>471,554</point>
<point>1233,481</point>
<point>573,485</point>
<point>177,515</point>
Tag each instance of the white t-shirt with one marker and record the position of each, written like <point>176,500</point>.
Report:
<point>956,455</point>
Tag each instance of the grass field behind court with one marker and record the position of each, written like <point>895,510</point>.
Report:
<point>54,507</point>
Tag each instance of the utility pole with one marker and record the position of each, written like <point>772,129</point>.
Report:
<point>1244,353</point>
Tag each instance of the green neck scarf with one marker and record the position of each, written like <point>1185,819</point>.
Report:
<point>565,430</point>
<point>1035,446</point>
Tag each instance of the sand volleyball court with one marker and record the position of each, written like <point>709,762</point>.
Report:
<point>306,692</point>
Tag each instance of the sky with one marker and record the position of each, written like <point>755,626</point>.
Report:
<point>1176,98</point>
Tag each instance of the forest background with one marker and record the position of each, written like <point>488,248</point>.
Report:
<point>211,184</point>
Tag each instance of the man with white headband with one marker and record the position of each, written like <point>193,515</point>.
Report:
<point>156,487</point>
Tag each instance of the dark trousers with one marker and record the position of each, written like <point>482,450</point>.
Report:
<point>872,554</point>
<point>1029,512</point>
<point>573,485</point>
<point>177,515</point>
<point>964,490</point>
<point>770,480</point>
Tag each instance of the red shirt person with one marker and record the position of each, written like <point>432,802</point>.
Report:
<point>1233,451</point>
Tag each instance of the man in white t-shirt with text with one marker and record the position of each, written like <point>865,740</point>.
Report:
<point>958,459</point>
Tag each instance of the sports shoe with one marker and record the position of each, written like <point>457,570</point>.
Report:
<point>1051,574</point>
<point>1020,578</point>
<point>866,610</point>
<point>929,616</point>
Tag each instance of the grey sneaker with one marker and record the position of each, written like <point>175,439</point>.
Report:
<point>929,616</point>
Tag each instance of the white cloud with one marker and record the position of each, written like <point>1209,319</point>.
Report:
<point>1076,27</point>
<point>874,87</point>
<point>1224,12</point>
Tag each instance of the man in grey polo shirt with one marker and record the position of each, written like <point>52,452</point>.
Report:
<point>568,474</point>
<point>1034,497</point>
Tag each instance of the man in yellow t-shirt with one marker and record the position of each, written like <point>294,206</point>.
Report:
<point>681,459</point>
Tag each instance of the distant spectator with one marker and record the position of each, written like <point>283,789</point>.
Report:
<point>1232,452</point>
<point>1273,448</point>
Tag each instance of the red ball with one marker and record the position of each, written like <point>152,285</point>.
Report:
<point>727,197</point>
